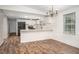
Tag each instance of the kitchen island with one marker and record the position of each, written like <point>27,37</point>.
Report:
<point>35,35</point>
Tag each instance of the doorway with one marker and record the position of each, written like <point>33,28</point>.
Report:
<point>11,26</point>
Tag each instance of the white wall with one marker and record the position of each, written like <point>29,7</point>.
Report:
<point>72,40</point>
<point>3,27</point>
<point>53,21</point>
<point>12,25</point>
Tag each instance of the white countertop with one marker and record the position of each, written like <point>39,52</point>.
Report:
<point>35,30</point>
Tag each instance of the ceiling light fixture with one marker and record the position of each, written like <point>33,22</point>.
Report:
<point>52,12</point>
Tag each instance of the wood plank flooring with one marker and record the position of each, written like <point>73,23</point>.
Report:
<point>12,45</point>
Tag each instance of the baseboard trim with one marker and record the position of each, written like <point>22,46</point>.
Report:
<point>13,33</point>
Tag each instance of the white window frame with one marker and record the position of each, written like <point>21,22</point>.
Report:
<point>69,23</point>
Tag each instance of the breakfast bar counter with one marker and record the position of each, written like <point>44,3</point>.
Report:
<point>35,35</point>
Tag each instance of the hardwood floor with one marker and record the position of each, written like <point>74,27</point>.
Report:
<point>12,45</point>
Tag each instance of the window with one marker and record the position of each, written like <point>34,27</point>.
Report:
<point>69,23</point>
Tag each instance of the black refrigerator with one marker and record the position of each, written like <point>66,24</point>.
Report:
<point>21,26</point>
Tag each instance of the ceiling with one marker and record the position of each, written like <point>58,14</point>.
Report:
<point>41,8</point>
<point>45,8</point>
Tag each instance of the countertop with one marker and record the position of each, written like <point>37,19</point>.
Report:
<point>35,30</point>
